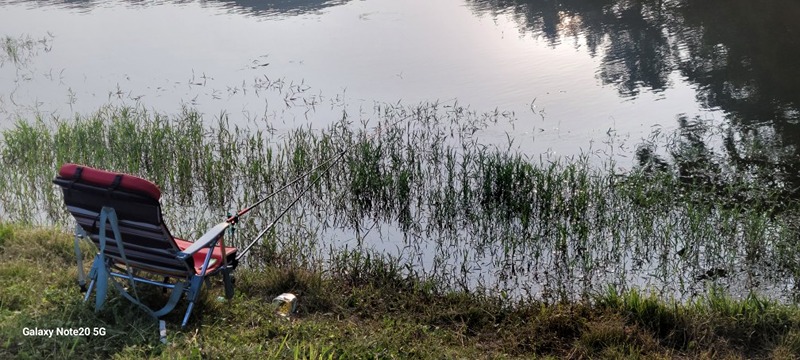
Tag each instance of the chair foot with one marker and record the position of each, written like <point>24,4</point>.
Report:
<point>188,312</point>
<point>88,291</point>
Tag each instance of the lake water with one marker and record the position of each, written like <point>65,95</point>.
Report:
<point>569,72</point>
<point>568,76</point>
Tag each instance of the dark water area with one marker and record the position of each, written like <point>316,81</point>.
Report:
<point>740,55</point>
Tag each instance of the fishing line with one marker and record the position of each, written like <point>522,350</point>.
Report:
<point>285,210</point>
<point>328,163</point>
<point>235,218</point>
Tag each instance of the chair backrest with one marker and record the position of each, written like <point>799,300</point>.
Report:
<point>147,242</point>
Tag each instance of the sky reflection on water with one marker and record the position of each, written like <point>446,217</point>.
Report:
<point>359,52</point>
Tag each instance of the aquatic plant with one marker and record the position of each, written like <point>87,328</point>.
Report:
<point>418,185</point>
<point>19,50</point>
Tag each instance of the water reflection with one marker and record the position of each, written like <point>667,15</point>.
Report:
<point>629,35</point>
<point>247,7</point>
<point>740,60</point>
<point>284,7</point>
<point>744,62</point>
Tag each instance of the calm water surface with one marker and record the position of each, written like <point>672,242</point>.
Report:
<point>569,74</point>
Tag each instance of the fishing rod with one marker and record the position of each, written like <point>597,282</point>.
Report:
<point>233,219</point>
<point>285,210</point>
<point>328,163</point>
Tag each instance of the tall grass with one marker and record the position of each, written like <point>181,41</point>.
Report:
<point>417,185</point>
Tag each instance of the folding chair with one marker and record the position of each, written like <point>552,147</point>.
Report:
<point>121,214</point>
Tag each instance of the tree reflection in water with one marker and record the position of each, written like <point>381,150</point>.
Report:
<point>741,56</point>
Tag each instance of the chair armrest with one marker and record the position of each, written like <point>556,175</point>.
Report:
<point>204,241</point>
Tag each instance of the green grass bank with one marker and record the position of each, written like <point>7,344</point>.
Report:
<point>368,309</point>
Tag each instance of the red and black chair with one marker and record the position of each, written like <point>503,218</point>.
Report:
<point>121,215</point>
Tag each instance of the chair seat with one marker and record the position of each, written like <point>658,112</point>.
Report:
<point>200,256</point>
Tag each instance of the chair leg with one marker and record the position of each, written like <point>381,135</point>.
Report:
<point>79,257</point>
<point>228,282</point>
<point>195,286</point>
<point>88,291</point>
<point>188,312</point>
